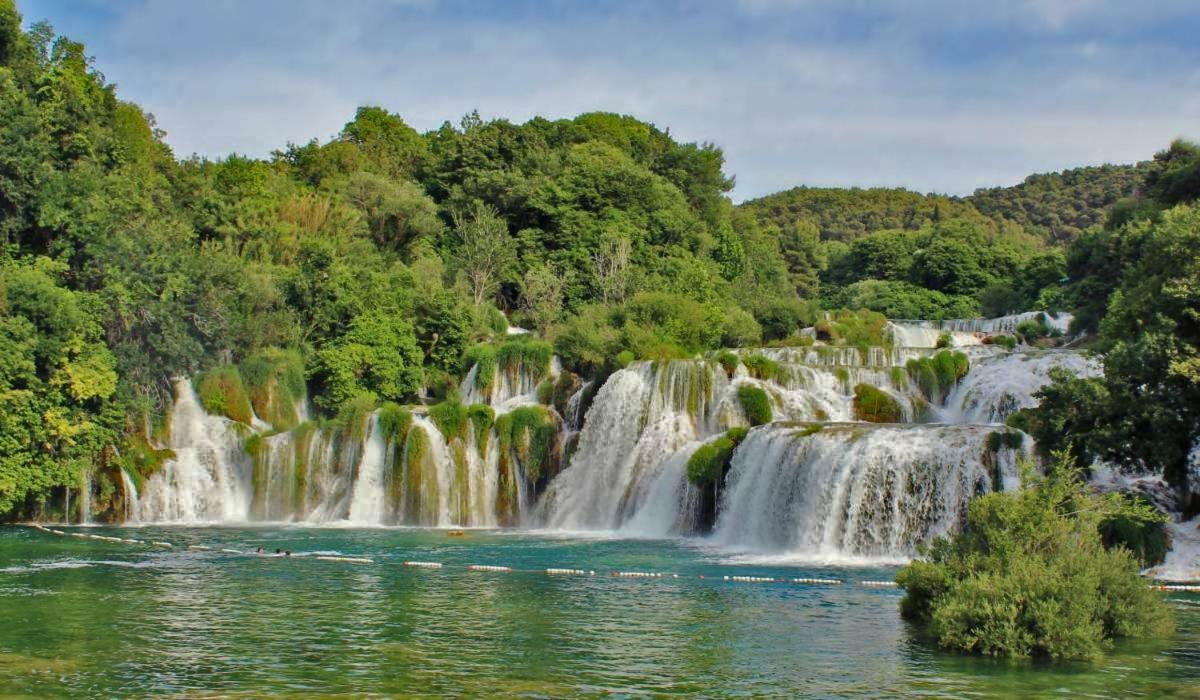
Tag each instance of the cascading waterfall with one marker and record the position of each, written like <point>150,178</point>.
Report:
<point>999,386</point>
<point>814,483</point>
<point>838,490</point>
<point>208,479</point>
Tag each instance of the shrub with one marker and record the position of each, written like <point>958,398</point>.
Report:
<point>936,375</point>
<point>625,358</point>
<point>274,381</point>
<point>1007,342</point>
<point>756,404</point>
<point>1146,539</point>
<point>945,340</point>
<point>1030,575</point>
<point>875,405</point>
<point>709,462</point>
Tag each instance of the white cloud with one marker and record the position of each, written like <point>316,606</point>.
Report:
<point>929,95</point>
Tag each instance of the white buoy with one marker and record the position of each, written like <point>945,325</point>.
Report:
<point>878,584</point>
<point>232,551</point>
<point>816,580</point>
<point>488,567</point>
<point>348,560</point>
<point>162,544</point>
<point>200,547</point>
<point>424,564</point>
<point>567,572</point>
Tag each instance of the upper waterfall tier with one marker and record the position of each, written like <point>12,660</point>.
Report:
<point>852,490</point>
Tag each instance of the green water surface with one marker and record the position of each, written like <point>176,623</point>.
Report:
<point>87,618</point>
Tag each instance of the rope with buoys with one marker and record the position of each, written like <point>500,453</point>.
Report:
<point>553,571</point>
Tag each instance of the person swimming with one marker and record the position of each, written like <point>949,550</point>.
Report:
<point>259,550</point>
<point>278,551</point>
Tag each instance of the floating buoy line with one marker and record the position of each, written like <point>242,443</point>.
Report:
<point>492,568</point>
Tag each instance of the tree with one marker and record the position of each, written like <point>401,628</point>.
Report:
<point>542,296</point>
<point>484,249</point>
<point>611,262</point>
<point>1029,575</point>
<point>398,213</point>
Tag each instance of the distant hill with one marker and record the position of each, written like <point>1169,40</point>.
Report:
<point>844,214</point>
<point>1055,207</point>
<point>1060,206</point>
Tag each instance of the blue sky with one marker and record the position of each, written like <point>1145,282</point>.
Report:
<point>934,95</point>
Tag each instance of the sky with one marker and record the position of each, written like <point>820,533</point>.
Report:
<point>933,95</point>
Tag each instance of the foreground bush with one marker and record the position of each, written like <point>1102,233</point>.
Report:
<point>1030,575</point>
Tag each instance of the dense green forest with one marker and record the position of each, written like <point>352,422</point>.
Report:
<point>367,267</point>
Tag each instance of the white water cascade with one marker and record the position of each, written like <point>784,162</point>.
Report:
<point>208,479</point>
<point>826,492</point>
<point>815,483</point>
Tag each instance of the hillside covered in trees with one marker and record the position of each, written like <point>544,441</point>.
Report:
<point>366,267</point>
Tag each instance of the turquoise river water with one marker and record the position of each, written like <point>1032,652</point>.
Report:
<point>89,618</point>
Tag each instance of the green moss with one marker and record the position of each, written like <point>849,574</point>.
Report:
<point>545,392</point>
<point>810,429</point>
<point>728,362</point>
<point>756,404</point>
<point>222,393</point>
<point>842,374</point>
<point>762,367</point>
<point>394,422</point>
<point>625,358</point>
<point>484,357</point>
<point>1007,342</point>
<point>418,489</point>
<point>710,461</point>
<point>450,417</point>
<point>482,418</point>
<point>899,377</point>
<point>354,415</point>
<point>1004,439</point>
<point>945,340</point>
<point>875,406</point>
<point>301,436</point>
<point>528,433</point>
<point>564,388</point>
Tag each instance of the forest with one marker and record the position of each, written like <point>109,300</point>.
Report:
<point>371,267</point>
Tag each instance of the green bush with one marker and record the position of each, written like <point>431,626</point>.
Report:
<point>937,375</point>
<point>875,405</point>
<point>625,358</point>
<point>756,404</point>
<point>1007,342</point>
<point>1030,575</point>
<point>1146,538</point>
<point>945,340</point>
<point>274,381</point>
<point>709,462</point>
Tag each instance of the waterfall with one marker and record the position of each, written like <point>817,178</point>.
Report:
<point>130,495</point>
<point>998,386</point>
<point>208,479</point>
<point>640,419</point>
<point>826,492</point>
<point>85,500</point>
<point>367,503</point>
